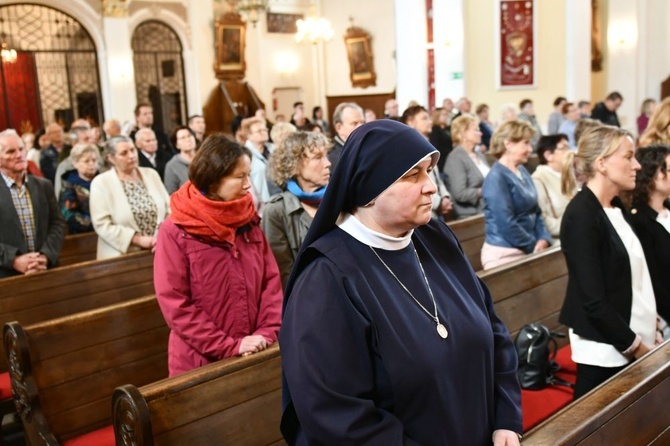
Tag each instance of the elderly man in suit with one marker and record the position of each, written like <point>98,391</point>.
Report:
<point>32,227</point>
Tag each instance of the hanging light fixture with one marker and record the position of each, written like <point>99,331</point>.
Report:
<point>252,9</point>
<point>8,55</point>
<point>313,29</point>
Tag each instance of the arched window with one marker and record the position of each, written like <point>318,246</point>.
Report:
<point>54,74</point>
<point>159,73</point>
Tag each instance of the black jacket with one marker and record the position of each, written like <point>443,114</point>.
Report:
<point>599,296</point>
<point>604,115</point>
<point>162,159</point>
<point>656,244</point>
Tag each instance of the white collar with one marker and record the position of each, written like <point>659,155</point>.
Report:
<point>150,156</point>
<point>355,228</point>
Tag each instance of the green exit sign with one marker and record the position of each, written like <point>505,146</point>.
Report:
<point>457,75</point>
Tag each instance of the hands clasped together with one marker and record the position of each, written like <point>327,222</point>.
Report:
<point>30,263</point>
<point>252,344</point>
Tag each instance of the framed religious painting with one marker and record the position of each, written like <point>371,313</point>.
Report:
<point>515,46</point>
<point>361,62</point>
<point>230,39</point>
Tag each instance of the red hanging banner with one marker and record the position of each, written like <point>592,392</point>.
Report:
<point>516,43</point>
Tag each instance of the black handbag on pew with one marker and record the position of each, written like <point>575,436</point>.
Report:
<point>536,358</point>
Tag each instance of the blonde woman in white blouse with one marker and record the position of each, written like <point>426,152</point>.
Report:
<point>609,303</point>
<point>128,203</point>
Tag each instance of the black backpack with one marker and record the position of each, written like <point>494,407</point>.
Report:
<point>536,360</point>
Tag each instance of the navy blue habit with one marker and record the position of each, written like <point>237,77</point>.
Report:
<point>362,362</point>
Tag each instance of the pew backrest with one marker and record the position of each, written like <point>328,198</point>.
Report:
<point>629,408</point>
<point>78,248</point>
<point>71,289</point>
<point>235,401</point>
<point>63,371</point>
<point>528,290</point>
<point>470,233</point>
<point>205,406</point>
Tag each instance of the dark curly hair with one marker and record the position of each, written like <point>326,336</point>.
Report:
<point>651,159</point>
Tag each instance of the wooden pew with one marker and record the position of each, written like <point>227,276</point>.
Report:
<point>78,248</point>
<point>63,371</point>
<point>531,289</point>
<point>235,401</point>
<point>470,232</point>
<point>630,408</point>
<point>205,406</point>
<point>71,289</point>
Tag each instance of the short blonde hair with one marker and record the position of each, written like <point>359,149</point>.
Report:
<point>79,150</point>
<point>280,131</point>
<point>598,142</point>
<point>285,160</point>
<point>512,131</point>
<point>459,126</point>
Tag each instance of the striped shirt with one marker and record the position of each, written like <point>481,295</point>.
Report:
<point>24,207</point>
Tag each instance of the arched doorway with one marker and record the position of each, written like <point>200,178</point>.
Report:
<point>54,76</point>
<point>159,73</point>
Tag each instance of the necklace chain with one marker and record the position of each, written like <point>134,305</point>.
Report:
<point>434,317</point>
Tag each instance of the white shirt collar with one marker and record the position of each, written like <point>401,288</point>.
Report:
<point>150,157</point>
<point>355,228</point>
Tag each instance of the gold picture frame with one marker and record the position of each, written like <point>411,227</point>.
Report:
<point>361,61</point>
<point>230,44</point>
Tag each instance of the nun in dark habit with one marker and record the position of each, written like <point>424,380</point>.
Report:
<point>388,336</point>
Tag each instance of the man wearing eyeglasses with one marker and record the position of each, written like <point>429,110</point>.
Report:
<point>257,141</point>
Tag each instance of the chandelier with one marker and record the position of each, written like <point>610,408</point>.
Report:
<point>251,9</point>
<point>8,55</point>
<point>313,29</point>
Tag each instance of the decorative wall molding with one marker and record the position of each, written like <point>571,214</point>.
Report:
<point>115,8</point>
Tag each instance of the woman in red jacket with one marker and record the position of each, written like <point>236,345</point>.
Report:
<point>215,277</point>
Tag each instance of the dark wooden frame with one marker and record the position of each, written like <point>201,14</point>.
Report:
<point>224,68</point>
<point>279,23</point>
<point>359,50</point>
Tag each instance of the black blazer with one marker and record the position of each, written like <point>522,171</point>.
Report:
<point>49,225</point>
<point>599,296</point>
<point>162,159</point>
<point>656,244</point>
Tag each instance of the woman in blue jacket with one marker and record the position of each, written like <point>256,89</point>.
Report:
<point>514,225</point>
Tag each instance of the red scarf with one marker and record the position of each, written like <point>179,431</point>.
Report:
<point>210,219</point>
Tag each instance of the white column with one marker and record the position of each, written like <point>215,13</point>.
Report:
<point>411,52</point>
<point>448,38</point>
<point>201,80</point>
<point>120,73</point>
<point>657,38</point>
<point>623,70</point>
<point>578,50</point>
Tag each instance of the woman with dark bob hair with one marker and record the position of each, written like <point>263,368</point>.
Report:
<point>176,170</point>
<point>300,167</point>
<point>389,337</point>
<point>216,280</point>
<point>650,216</point>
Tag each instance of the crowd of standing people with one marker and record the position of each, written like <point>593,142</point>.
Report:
<point>249,225</point>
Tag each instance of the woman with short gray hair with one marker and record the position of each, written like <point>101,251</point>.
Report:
<point>128,202</point>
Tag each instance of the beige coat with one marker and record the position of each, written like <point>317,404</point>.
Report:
<point>111,215</point>
<point>550,198</point>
